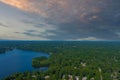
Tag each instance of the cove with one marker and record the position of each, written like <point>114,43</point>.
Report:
<point>18,61</point>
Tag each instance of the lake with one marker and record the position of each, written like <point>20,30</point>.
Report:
<point>18,61</point>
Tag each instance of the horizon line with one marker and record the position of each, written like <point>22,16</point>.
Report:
<point>64,40</point>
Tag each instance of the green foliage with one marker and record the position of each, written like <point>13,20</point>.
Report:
<point>72,59</point>
<point>40,62</point>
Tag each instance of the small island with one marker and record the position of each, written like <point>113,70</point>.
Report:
<point>40,62</point>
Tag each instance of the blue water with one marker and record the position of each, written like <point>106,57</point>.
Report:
<point>18,61</point>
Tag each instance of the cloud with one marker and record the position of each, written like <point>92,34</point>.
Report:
<point>3,25</point>
<point>89,38</point>
<point>70,19</point>
<point>27,5</point>
<point>60,10</point>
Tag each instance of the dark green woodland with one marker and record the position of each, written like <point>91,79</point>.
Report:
<point>70,60</point>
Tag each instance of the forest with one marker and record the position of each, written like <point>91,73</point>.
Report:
<point>70,60</point>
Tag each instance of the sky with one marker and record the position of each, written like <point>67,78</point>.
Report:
<point>59,19</point>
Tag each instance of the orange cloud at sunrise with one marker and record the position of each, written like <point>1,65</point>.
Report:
<point>17,3</point>
<point>24,5</point>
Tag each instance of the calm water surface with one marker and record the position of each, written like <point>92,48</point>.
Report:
<point>18,61</point>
